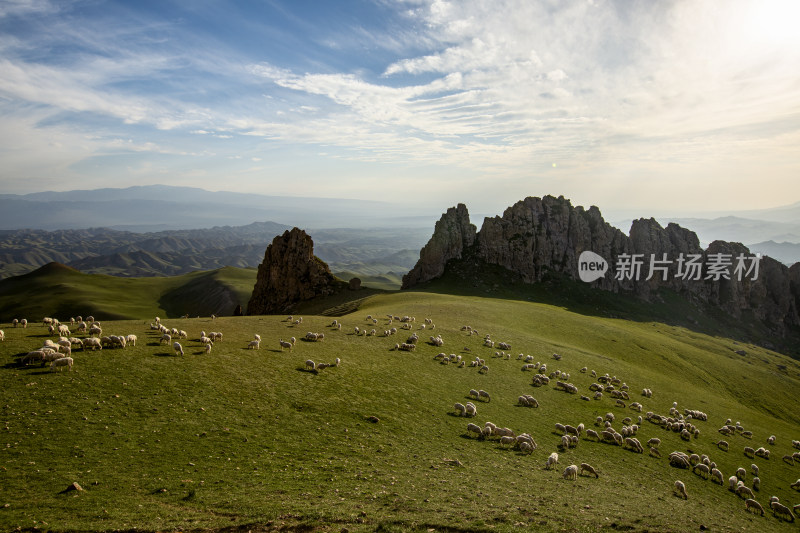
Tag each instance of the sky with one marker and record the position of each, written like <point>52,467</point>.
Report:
<point>637,105</point>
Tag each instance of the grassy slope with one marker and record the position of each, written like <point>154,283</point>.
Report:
<point>247,437</point>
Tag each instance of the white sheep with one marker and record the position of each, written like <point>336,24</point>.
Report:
<point>756,483</point>
<point>61,362</point>
<point>741,488</point>
<point>779,508</point>
<point>178,348</point>
<point>586,467</point>
<point>208,347</point>
<point>310,365</point>
<point>470,410</point>
<point>571,472</point>
<point>166,338</point>
<point>551,461</point>
<point>750,503</point>
<point>254,345</point>
<point>716,475</point>
<point>484,394</point>
<point>680,488</point>
<point>131,339</point>
<point>459,407</point>
<point>474,428</point>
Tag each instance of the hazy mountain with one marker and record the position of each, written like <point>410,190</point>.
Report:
<point>167,207</point>
<point>738,229</point>
<point>787,253</point>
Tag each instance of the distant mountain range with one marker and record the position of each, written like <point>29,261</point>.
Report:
<point>161,207</point>
<point>380,256</point>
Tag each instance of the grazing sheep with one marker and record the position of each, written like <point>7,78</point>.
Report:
<point>61,362</point>
<point>310,365</point>
<point>178,348</point>
<point>680,488</point>
<point>754,469</point>
<point>208,347</point>
<point>459,407</point>
<point>2,335</point>
<point>472,392</point>
<point>166,338</point>
<point>733,482</point>
<point>254,345</point>
<point>716,475</point>
<point>654,442</point>
<point>702,468</point>
<point>741,473</point>
<point>741,488</point>
<point>756,483</point>
<point>551,461</point>
<point>526,447</point>
<point>474,428</point>
<point>771,439</point>
<point>589,468</point>
<point>750,503</point>
<point>571,472</point>
<point>749,452</point>
<point>507,440</point>
<point>484,394</point>
<point>92,342</point>
<point>722,445</point>
<point>796,485</point>
<point>779,508</point>
<point>284,344</point>
<point>471,410</point>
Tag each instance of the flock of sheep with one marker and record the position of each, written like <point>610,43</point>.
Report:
<point>58,354</point>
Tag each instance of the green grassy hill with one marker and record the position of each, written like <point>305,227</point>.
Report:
<point>60,291</point>
<point>240,440</point>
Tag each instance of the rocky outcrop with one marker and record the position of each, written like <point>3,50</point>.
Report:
<point>289,274</point>
<point>453,234</point>
<point>537,236</point>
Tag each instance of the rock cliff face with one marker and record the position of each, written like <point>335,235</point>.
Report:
<point>290,273</point>
<point>537,236</point>
<point>452,234</point>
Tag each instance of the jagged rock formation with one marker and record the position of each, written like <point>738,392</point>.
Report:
<point>537,236</point>
<point>452,234</point>
<point>289,274</point>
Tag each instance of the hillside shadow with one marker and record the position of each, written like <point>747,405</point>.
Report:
<point>472,278</point>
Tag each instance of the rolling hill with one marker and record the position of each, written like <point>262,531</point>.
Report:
<point>251,440</point>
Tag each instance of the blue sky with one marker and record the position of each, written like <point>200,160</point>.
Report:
<point>684,105</point>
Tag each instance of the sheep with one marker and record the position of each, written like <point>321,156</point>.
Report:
<point>741,473</point>
<point>310,365</point>
<point>749,452</point>
<point>702,468</point>
<point>178,348</point>
<point>680,488</point>
<point>741,488</point>
<point>750,503</point>
<point>551,461</point>
<point>756,483</point>
<point>470,410</point>
<point>796,485</point>
<point>283,344</point>
<point>586,467</point>
<point>208,347</point>
<point>779,508</point>
<point>23,323</point>
<point>131,339</point>
<point>571,472</point>
<point>474,428</point>
<point>166,338</point>
<point>459,407</point>
<point>472,392</point>
<point>722,445</point>
<point>92,342</point>
<point>771,439</point>
<point>60,362</point>
<point>484,369</point>
<point>754,469</point>
<point>2,335</point>
<point>254,345</point>
<point>654,442</point>
<point>484,394</point>
<point>716,475</point>
<point>526,447</point>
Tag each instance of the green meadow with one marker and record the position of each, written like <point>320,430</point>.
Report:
<point>240,440</point>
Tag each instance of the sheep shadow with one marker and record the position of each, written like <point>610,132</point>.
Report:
<point>165,354</point>
<point>456,415</point>
<point>274,350</point>
<point>155,344</point>
<point>307,370</point>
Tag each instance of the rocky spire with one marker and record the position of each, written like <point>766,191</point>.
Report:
<point>452,234</point>
<point>289,274</point>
